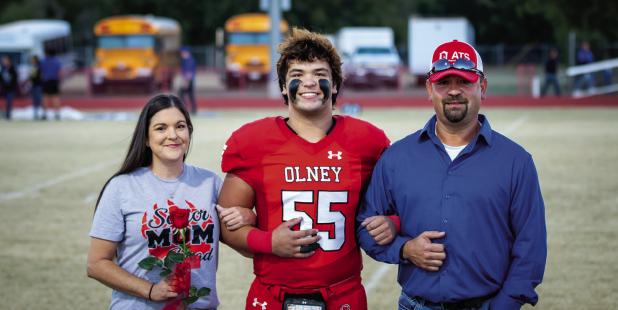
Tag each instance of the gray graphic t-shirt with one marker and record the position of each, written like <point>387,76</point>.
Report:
<point>133,211</point>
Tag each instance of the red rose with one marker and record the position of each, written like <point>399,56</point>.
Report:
<point>179,217</point>
<point>181,278</point>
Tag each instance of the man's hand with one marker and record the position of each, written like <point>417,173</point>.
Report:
<point>423,253</point>
<point>287,243</point>
<point>236,217</point>
<point>381,228</point>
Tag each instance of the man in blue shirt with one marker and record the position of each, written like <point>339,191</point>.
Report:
<point>584,56</point>
<point>51,68</point>
<point>188,68</point>
<point>473,230</point>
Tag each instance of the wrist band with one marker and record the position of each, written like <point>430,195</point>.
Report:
<point>396,221</point>
<point>260,241</point>
<point>150,292</point>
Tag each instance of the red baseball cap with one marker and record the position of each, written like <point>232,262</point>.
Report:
<point>452,51</point>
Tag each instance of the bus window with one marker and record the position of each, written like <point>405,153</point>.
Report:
<point>58,45</point>
<point>112,42</point>
<point>247,38</point>
<point>140,42</point>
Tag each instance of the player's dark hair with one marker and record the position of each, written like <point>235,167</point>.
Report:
<point>306,46</point>
<point>139,154</point>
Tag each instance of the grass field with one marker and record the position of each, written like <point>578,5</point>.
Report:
<point>51,173</point>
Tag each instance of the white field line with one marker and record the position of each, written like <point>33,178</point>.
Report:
<point>66,177</point>
<point>516,124</point>
<point>91,198</point>
<point>376,277</point>
<point>57,180</point>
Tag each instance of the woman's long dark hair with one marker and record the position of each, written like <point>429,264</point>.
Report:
<point>139,154</point>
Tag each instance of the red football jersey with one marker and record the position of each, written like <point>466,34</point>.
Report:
<point>320,182</point>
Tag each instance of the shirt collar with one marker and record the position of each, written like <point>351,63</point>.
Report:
<point>428,131</point>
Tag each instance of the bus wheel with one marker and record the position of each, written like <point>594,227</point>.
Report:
<point>97,89</point>
<point>233,82</point>
<point>150,87</point>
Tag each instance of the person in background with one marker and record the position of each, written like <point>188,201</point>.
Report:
<point>473,232</point>
<point>132,216</point>
<point>584,56</point>
<point>36,87</point>
<point>50,77</point>
<point>551,73</point>
<point>9,84</point>
<point>188,69</point>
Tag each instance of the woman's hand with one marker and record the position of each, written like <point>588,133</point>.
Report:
<point>236,217</point>
<point>162,291</point>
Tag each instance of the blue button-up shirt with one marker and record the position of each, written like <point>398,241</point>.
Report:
<point>50,68</point>
<point>188,67</point>
<point>487,200</point>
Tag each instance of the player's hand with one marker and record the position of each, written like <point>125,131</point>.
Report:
<point>162,291</point>
<point>235,217</point>
<point>423,253</point>
<point>287,242</point>
<point>381,228</point>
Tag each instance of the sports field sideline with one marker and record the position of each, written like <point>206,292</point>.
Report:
<point>51,173</point>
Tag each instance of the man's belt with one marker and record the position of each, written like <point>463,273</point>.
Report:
<point>473,303</point>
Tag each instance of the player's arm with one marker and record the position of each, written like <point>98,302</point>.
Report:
<point>282,241</point>
<point>235,193</point>
<point>236,217</point>
<point>382,228</point>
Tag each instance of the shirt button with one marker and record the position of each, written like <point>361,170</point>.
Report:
<point>445,221</point>
<point>447,196</point>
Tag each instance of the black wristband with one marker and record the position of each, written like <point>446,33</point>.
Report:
<point>150,292</point>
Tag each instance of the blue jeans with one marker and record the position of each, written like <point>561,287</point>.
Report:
<point>37,98</point>
<point>551,80</point>
<point>584,81</point>
<point>408,303</point>
<point>8,96</point>
<point>190,91</point>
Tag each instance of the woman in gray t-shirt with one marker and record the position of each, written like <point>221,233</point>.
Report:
<point>132,222</point>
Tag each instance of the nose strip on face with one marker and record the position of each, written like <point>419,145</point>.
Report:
<point>293,88</point>
<point>325,88</point>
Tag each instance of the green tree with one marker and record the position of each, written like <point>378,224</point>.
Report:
<point>495,21</point>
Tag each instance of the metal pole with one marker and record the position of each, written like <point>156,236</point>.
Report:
<point>275,37</point>
<point>572,43</point>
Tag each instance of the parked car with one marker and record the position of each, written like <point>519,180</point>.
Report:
<point>373,66</point>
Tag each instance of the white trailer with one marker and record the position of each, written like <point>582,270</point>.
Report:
<point>425,34</point>
<point>351,38</point>
<point>370,58</point>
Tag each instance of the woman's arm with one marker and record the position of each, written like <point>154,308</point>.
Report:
<point>101,267</point>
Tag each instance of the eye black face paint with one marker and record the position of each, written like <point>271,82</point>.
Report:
<point>293,89</point>
<point>325,88</point>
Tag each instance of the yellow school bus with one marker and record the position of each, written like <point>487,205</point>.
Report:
<point>137,51</point>
<point>247,48</point>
